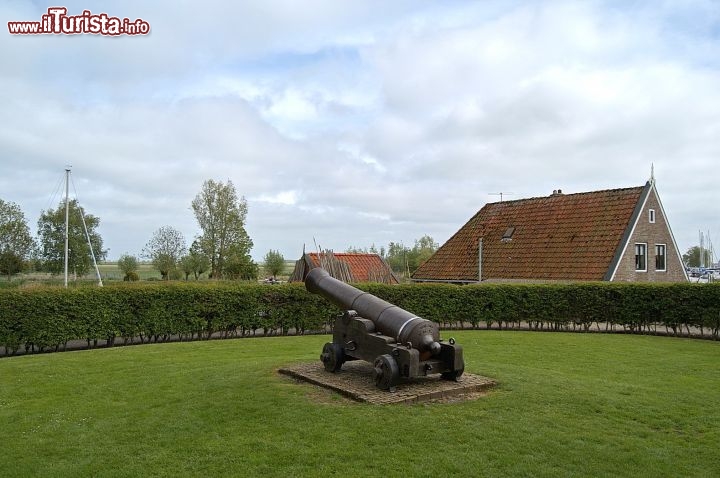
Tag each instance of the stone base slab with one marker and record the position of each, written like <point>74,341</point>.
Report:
<point>355,381</point>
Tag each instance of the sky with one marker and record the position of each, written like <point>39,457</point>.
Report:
<point>353,123</point>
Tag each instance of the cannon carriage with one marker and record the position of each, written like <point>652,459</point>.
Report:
<point>398,343</point>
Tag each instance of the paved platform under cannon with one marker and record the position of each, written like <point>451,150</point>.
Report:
<point>356,382</point>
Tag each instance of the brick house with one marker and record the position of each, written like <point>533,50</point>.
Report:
<point>610,235</point>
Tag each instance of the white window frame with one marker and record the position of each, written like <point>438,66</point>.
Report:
<point>651,216</point>
<point>664,246</point>
<point>644,245</point>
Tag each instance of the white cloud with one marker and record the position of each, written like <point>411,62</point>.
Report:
<point>362,122</point>
<point>288,198</point>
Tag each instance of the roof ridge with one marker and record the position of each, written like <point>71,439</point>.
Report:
<point>562,195</point>
<point>351,253</point>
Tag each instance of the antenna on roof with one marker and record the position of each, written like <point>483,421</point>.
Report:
<point>500,194</point>
<point>652,173</point>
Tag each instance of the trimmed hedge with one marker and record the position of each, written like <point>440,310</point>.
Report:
<point>679,308</point>
<point>46,318</point>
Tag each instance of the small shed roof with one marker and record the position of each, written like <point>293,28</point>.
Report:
<point>359,267</point>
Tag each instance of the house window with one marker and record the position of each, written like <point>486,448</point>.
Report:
<point>641,257</point>
<point>660,264</point>
<point>507,237</point>
<point>652,216</point>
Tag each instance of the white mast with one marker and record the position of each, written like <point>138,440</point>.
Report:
<point>67,230</point>
<point>92,253</point>
<point>67,216</point>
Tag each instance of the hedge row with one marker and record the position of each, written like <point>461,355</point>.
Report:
<point>674,308</point>
<point>47,318</point>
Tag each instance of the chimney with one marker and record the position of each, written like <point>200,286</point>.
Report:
<point>557,192</point>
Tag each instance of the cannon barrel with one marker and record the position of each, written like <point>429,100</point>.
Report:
<point>389,319</point>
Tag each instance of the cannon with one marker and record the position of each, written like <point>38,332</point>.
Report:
<point>398,343</point>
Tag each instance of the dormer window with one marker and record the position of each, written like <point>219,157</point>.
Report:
<point>651,216</point>
<point>507,237</point>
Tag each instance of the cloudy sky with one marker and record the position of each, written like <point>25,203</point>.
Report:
<point>360,122</point>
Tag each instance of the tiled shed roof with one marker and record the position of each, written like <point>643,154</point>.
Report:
<point>558,237</point>
<point>362,266</point>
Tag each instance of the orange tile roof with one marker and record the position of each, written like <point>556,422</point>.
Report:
<point>558,237</point>
<point>361,265</point>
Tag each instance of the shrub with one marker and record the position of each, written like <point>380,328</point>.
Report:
<point>131,277</point>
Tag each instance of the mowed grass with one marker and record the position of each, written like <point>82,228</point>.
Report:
<point>566,405</point>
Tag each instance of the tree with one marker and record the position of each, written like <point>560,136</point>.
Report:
<point>364,250</point>
<point>186,265</point>
<point>10,263</point>
<point>128,265</point>
<point>405,260</point>
<point>239,265</point>
<point>693,255</point>
<point>195,262</point>
<point>201,261</point>
<point>422,250</point>
<point>16,243</point>
<point>356,250</point>
<point>221,217</point>
<point>164,250</point>
<point>397,257</point>
<point>274,263</point>
<point>51,231</point>
<point>381,252</point>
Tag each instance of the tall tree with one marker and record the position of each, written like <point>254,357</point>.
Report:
<point>164,250</point>
<point>16,243</point>
<point>51,231</point>
<point>274,263</point>
<point>221,217</point>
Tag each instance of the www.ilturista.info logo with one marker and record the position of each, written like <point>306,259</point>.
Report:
<point>58,22</point>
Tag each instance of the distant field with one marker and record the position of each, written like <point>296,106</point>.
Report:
<point>147,271</point>
<point>109,270</point>
<point>566,405</point>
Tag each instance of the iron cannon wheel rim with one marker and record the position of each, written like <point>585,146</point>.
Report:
<point>386,372</point>
<point>332,357</point>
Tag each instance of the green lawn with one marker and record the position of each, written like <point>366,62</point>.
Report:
<point>567,405</point>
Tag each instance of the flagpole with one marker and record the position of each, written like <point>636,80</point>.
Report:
<point>67,223</point>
